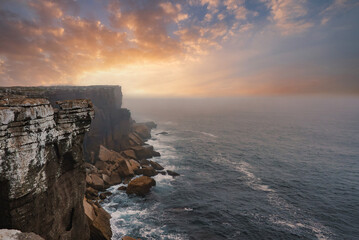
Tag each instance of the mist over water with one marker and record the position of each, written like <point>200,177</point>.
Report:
<point>251,168</point>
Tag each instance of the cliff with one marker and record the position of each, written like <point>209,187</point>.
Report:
<point>41,165</point>
<point>112,124</point>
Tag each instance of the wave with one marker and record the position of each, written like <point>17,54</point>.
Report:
<point>209,134</point>
<point>289,211</point>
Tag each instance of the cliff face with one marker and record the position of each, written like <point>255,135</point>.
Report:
<point>41,166</point>
<point>112,123</point>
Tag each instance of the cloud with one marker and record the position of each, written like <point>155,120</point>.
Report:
<point>289,15</point>
<point>45,42</point>
<point>336,7</point>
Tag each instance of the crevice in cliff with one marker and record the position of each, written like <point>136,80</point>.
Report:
<point>69,226</point>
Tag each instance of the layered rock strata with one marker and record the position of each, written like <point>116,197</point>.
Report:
<point>112,124</point>
<point>41,166</point>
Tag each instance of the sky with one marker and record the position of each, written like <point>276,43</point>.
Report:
<point>183,48</point>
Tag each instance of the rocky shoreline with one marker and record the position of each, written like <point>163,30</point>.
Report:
<point>53,176</point>
<point>130,166</point>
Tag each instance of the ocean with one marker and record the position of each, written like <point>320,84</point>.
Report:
<point>251,168</point>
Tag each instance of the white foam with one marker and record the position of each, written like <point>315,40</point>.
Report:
<point>209,134</point>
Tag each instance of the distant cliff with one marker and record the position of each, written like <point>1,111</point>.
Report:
<point>41,166</point>
<point>112,124</point>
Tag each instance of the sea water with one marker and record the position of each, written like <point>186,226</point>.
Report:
<point>251,168</point>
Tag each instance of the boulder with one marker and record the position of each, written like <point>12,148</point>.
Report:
<point>115,179</point>
<point>142,152</point>
<point>172,173</point>
<point>156,154</point>
<point>145,162</point>
<point>156,166</point>
<point>106,179</point>
<point>149,171</point>
<point>140,186</point>
<point>98,220</point>
<point>108,155</point>
<point>129,154</point>
<point>95,181</point>
<point>124,168</point>
<point>162,172</point>
<point>134,165</point>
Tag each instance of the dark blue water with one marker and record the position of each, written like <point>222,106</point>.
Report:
<point>269,168</point>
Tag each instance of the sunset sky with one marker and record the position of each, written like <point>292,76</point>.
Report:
<point>194,48</point>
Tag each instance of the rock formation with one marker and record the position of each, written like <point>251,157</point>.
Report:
<point>43,175</point>
<point>112,124</point>
<point>41,166</point>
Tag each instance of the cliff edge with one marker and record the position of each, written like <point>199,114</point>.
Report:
<point>41,166</point>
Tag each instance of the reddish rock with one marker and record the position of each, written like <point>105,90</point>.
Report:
<point>129,238</point>
<point>98,220</point>
<point>95,181</point>
<point>129,154</point>
<point>140,186</point>
<point>134,165</point>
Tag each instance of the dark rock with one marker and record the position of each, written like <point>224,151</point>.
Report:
<point>156,154</point>
<point>172,173</point>
<point>162,133</point>
<point>91,193</point>
<point>162,172</point>
<point>149,171</point>
<point>104,195</point>
<point>145,162</point>
<point>140,186</point>
<point>122,188</point>
<point>156,166</point>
